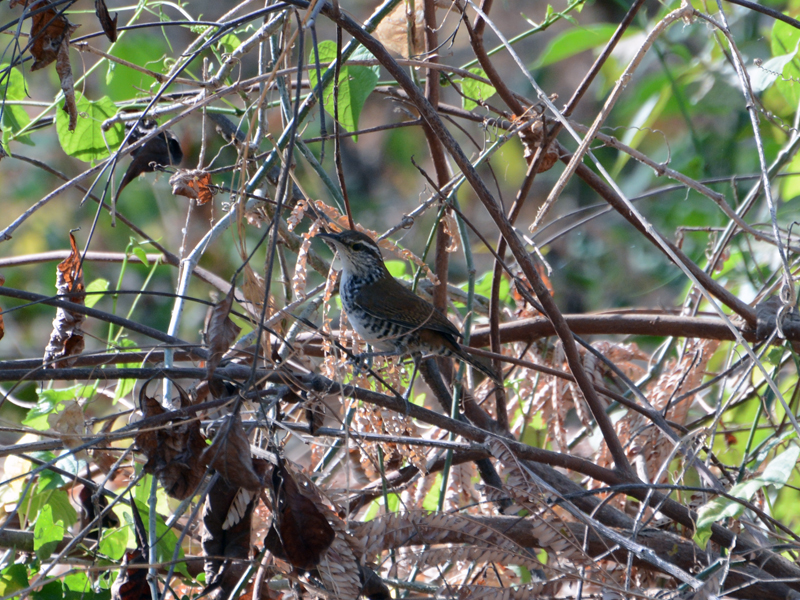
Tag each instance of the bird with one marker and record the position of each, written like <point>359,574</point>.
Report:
<point>160,150</point>
<point>387,315</point>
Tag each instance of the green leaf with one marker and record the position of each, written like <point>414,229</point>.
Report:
<point>355,84</point>
<point>50,401</point>
<point>13,578</point>
<point>475,90</point>
<point>229,43</point>
<point>763,76</point>
<point>780,468</point>
<point>47,533</point>
<point>78,582</point>
<point>140,254</point>
<point>125,386</point>
<point>57,500</point>
<point>98,285</point>
<point>397,268</point>
<point>114,542</point>
<point>784,40</point>
<point>167,539</point>
<point>431,501</point>
<point>15,118</point>
<point>574,41</point>
<point>638,129</point>
<point>88,141</point>
<point>48,480</point>
<point>776,474</point>
<point>51,591</point>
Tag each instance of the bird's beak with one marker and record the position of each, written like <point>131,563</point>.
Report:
<point>328,238</point>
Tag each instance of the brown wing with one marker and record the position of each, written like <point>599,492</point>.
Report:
<point>390,300</point>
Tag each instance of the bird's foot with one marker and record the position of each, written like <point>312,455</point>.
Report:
<point>362,363</point>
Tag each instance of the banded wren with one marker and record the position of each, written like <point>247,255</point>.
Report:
<point>392,319</point>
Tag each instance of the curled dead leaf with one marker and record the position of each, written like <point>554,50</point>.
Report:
<point>175,453</point>
<point>66,340</point>
<point>64,70</point>
<point>393,31</point>
<point>192,183</point>
<point>220,331</point>
<point>300,531</point>
<point>226,548</point>
<point>230,456</point>
<point>108,24</point>
<point>70,424</point>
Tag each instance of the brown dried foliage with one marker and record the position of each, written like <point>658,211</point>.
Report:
<point>174,453</point>
<point>66,339</point>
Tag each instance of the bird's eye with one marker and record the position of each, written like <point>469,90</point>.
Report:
<point>358,246</point>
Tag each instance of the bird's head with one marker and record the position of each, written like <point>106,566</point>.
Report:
<point>359,253</point>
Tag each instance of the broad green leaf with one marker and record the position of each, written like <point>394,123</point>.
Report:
<point>228,43</point>
<point>776,474</point>
<point>167,539</point>
<point>638,129</point>
<point>78,582</point>
<point>780,468</point>
<point>15,118</point>
<point>114,542</point>
<point>783,41</point>
<point>574,41</point>
<point>58,501</point>
<point>50,401</point>
<point>140,254</point>
<point>125,386</point>
<point>397,268</point>
<point>98,285</point>
<point>48,480</point>
<point>355,84</point>
<point>478,90</point>
<point>13,578</point>
<point>51,591</point>
<point>88,141</point>
<point>47,533</point>
<point>763,76</point>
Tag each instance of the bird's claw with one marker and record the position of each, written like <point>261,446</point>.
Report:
<point>361,363</point>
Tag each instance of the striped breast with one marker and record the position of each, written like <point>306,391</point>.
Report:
<point>382,334</point>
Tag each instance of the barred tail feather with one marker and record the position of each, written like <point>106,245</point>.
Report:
<point>479,364</point>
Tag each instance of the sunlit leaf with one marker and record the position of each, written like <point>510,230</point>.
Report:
<point>89,142</point>
<point>574,41</point>
<point>355,84</point>
<point>98,285</point>
<point>47,533</point>
<point>475,90</point>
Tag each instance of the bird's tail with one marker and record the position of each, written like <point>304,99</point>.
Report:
<point>482,365</point>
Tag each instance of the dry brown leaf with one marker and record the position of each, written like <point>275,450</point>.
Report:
<point>64,70</point>
<point>298,212</point>
<point>393,31</point>
<point>451,228</point>
<point>174,453</point>
<point>220,332</point>
<point>230,456</point>
<point>301,266</point>
<point>48,30</point>
<point>108,24</point>
<point>300,530</point>
<point>226,548</point>
<point>71,425</point>
<point>192,183</point>
<point>66,340</point>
